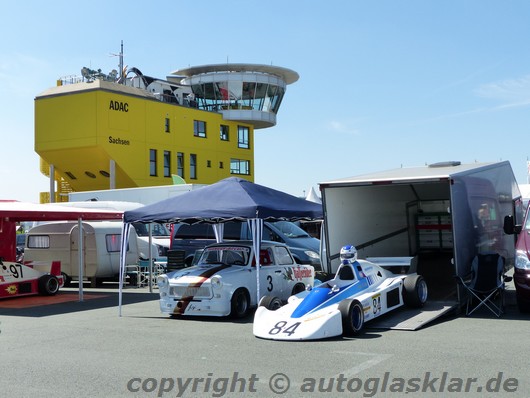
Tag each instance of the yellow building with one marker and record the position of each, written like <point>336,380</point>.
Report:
<point>104,132</point>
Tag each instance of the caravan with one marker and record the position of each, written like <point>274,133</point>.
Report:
<point>58,241</point>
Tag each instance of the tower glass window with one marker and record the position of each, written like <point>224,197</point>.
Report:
<point>193,166</point>
<point>242,137</point>
<point>239,166</point>
<point>223,132</point>
<point>167,164</point>
<point>199,128</point>
<point>152,162</point>
<point>180,164</point>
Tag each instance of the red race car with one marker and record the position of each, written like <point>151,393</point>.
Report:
<point>23,280</point>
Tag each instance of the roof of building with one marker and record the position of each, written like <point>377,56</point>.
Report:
<point>288,75</point>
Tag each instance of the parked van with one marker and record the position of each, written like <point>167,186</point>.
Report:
<point>190,238</point>
<point>521,274</point>
<point>59,242</point>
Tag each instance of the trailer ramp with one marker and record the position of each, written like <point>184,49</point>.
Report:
<point>412,318</point>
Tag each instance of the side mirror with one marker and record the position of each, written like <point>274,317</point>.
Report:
<point>509,226</point>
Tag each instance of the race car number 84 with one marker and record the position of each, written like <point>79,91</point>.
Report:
<point>284,327</point>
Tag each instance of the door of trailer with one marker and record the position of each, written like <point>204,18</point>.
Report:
<point>89,251</point>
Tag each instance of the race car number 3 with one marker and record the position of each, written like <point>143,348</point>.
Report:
<point>284,327</point>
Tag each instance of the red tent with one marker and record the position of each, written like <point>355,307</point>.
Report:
<point>12,212</point>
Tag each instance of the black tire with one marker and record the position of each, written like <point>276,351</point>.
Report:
<point>298,288</point>
<point>67,280</point>
<point>414,291</point>
<point>240,303</point>
<point>272,303</point>
<point>48,285</point>
<point>352,316</point>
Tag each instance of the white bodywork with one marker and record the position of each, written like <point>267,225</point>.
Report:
<point>208,288</point>
<point>378,291</point>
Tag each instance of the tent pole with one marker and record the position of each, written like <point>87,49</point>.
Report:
<point>80,250</point>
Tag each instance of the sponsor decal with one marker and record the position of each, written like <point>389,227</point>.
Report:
<point>11,289</point>
<point>301,273</point>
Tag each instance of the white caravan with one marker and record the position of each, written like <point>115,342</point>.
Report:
<point>101,240</point>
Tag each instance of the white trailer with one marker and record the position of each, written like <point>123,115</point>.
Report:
<point>58,241</point>
<point>440,215</point>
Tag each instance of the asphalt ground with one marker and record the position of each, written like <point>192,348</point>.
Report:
<point>84,349</point>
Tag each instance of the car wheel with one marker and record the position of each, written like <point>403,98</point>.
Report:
<point>240,303</point>
<point>352,315</point>
<point>298,288</point>
<point>270,302</point>
<point>67,280</point>
<point>48,285</point>
<point>414,291</point>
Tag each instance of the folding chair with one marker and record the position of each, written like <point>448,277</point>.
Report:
<point>486,285</point>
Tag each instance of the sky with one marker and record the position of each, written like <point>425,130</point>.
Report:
<point>383,84</point>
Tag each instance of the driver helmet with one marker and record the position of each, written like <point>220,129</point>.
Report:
<point>348,253</point>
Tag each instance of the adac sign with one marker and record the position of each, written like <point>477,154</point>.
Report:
<point>119,106</point>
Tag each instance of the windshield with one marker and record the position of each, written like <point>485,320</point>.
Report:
<point>157,229</point>
<point>290,229</point>
<point>229,255</point>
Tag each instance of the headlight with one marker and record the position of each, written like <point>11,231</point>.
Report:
<point>521,260</point>
<point>162,281</point>
<point>216,281</point>
<point>312,254</point>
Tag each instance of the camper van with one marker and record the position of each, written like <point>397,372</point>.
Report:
<point>101,239</point>
<point>440,216</point>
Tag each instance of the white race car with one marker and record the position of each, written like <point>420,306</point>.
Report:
<point>224,280</point>
<point>23,280</point>
<point>359,292</point>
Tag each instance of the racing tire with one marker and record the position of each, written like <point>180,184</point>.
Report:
<point>414,291</point>
<point>48,285</point>
<point>67,280</point>
<point>352,314</point>
<point>298,288</point>
<point>239,304</point>
<point>272,303</point>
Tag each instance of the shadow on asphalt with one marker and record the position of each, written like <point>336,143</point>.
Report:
<point>68,302</point>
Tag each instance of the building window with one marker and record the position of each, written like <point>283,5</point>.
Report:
<point>221,165</point>
<point>167,164</point>
<point>242,137</point>
<point>208,163</point>
<point>167,125</point>
<point>180,164</point>
<point>239,166</point>
<point>223,131</point>
<point>199,128</point>
<point>152,162</point>
<point>193,166</point>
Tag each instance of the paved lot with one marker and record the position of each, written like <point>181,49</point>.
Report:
<point>85,350</point>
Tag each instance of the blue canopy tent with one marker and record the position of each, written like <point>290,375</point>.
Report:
<point>227,200</point>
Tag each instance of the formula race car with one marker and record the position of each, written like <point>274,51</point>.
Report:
<point>224,282</point>
<point>359,292</point>
<point>23,280</point>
